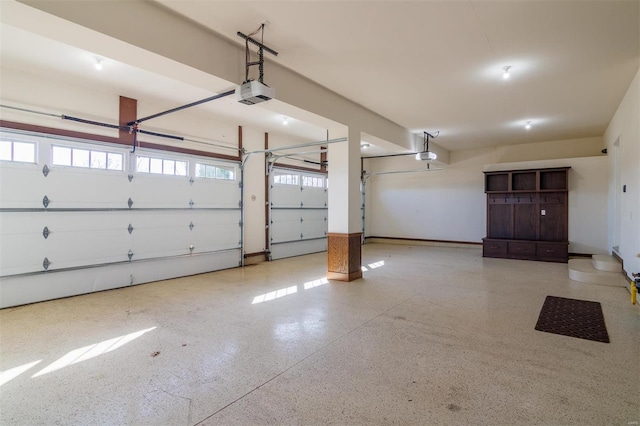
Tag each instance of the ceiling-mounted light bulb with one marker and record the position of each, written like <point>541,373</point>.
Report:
<point>98,64</point>
<point>365,145</point>
<point>528,125</point>
<point>506,74</point>
<point>285,120</point>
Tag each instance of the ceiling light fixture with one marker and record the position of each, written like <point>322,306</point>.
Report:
<point>285,121</point>
<point>528,125</point>
<point>365,145</point>
<point>506,74</point>
<point>98,64</point>
<point>427,155</point>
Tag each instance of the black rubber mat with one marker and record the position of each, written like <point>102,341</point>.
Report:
<point>571,317</point>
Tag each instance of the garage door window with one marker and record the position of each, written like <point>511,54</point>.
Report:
<point>161,166</point>
<point>86,158</point>
<point>19,152</point>
<point>286,179</point>
<point>209,171</point>
<point>313,182</point>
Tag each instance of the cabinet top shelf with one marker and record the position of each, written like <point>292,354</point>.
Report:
<point>552,169</point>
<point>524,191</point>
<point>554,179</point>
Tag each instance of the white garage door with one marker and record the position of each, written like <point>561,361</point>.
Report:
<point>298,213</point>
<point>78,217</point>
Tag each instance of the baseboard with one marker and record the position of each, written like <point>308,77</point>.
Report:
<point>423,242</point>
<point>255,258</point>
<point>580,255</point>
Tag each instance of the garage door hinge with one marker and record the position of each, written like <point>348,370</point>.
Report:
<point>45,264</point>
<point>45,232</point>
<point>301,236</point>
<point>301,188</point>
<point>240,185</point>
<point>240,204</point>
<point>301,220</point>
<point>130,255</point>
<point>130,228</point>
<point>45,170</point>
<point>130,177</point>
<point>191,203</point>
<point>191,248</point>
<point>191,181</point>
<point>240,223</point>
<point>301,204</point>
<point>45,201</point>
<point>191,225</point>
<point>129,202</point>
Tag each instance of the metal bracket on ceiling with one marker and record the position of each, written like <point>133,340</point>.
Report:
<point>261,49</point>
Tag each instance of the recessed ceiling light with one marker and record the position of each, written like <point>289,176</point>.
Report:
<point>285,121</point>
<point>528,125</point>
<point>98,64</point>
<point>506,70</point>
<point>365,145</point>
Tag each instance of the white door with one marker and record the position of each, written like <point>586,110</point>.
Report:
<point>99,217</point>
<point>298,213</point>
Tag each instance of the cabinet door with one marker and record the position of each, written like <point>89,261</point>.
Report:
<point>500,221</point>
<point>553,217</point>
<point>525,221</point>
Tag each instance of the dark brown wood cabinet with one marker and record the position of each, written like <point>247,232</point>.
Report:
<point>527,214</point>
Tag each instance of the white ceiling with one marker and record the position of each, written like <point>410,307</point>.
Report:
<point>426,65</point>
<point>437,65</point>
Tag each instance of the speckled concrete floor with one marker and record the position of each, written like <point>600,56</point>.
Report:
<point>429,336</point>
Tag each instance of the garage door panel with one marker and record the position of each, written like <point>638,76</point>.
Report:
<point>216,193</point>
<point>81,248</point>
<point>21,253</point>
<point>160,192</point>
<point>216,237</point>
<point>65,221</point>
<point>280,251</point>
<point>81,188</point>
<point>314,229</point>
<point>286,196</point>
<point>21,290</point>
<point>314,197</point>
<point>21,186</point>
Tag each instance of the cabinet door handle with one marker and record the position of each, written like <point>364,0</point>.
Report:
<point>551,251</point>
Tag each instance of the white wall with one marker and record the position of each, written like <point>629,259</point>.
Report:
<point>625,127</point>
<point>450,204</point>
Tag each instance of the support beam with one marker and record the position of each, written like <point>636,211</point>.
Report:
<point>345,233</point>
<point>128,113</point>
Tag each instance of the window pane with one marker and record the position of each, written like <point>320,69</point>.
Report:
<point>143,165</point>
<point>61,156</point>
<point>211,172</point>
<point>219,173</point>
<point>24,152</point>
<point>230,174</point>
<point>114,161</point>
<point>98,160</point>
<point>169,167</point>
<point>156,165</point>
<point>5,150</point>
<point>201,170</point>
<point>181,168</point>
<point>80,158</point>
